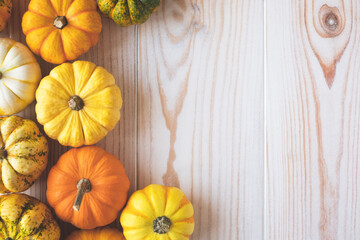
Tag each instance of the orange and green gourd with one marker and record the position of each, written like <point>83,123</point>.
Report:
<point>25,218</point>
<point>128,12</point>
<point>23,154</point>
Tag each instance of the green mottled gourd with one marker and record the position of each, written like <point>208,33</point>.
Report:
<point>25,218</point>
<point>128,12</point>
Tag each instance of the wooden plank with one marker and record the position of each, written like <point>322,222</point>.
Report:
<point>313,119</point>
<point>200,97</point>
<point>115,51</point>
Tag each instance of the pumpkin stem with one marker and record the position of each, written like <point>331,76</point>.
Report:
<point>3,153</point>
<point>60,22</point>
<point>83,186</point>
<point>162,225</point>
<point>76,103</point>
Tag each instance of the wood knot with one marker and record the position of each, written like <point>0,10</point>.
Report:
<point>332,23</point>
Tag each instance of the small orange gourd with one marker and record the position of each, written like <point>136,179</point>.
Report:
<point>61,30</point>
<point>87,187</point>
<point>97,234</point>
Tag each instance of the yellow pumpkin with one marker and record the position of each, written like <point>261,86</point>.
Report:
<point>19,76</point>
<point>61,30</point>
<point>158,213</point>
<point>24,217</point>
<point>97,234</point>
<point>78,103</point>
<point>5,12</point>
<point>23,154</point>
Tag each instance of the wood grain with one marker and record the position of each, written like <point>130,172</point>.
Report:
<point>200,111</point>
<point>115,51</point>
<point>313,120</point>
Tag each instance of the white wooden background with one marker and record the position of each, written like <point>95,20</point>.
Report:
<point>312,113</point>
<point>195,107</point>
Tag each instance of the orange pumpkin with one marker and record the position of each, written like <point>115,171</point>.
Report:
<point>61,30</point>
<point>97,234</point>
<point>87,187</point>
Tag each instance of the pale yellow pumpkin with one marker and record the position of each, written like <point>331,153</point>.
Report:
<point>19,76</point>
<point>78,103</point>
<point>23,154</point>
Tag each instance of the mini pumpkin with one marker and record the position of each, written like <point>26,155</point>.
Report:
<point>19,76</point>
<point>24,217</point>
<point>97,234</point>
<point>158,213</point>
<point>87,187</point>
<point>23,154</point>
<point>128,12</point>
<point>61,30</point>
<point>78,103</point>
<point>5,13</point>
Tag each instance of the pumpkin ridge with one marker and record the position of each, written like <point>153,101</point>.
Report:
<point>62,44</point>
<point>13,92</point>
<point>93,119</point>
<point>98,200</point>
<point>59,171</point>
<point>59,84</point>
<point>135,212</point>
<point>20,123</point>
<point>22,140</point>
<point>166,198</point>
<point>186,220</point>
<point>81,29</point>
<point>180,208</point>
<point>78,13</point>
<point>19,80</point>
<point>67,10</point>
<point>97,91</point>
<point>8,50</point>
<point>10,69</point>
<point>78,91</point>
<point>53,7</point>
<point>45,38</point>
<point>145,8</point>
<point>25,176</point>
<point>3,223</point>
<point>34,29</point>
<point>40,14</point>
<point>2,90</point>
<point>39,228</point>
<point>149,200</point>
<point>28,206</point>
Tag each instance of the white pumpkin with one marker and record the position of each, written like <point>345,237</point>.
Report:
<point>19,76</point>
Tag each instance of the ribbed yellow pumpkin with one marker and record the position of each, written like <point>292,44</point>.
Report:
<point>26,218</point>
<point>19,76</point>
<point>158,213</point>
<point>23,154</point>
<point>78,103</point>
